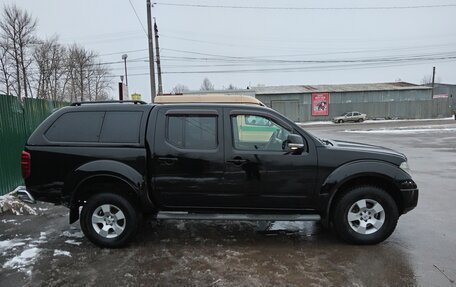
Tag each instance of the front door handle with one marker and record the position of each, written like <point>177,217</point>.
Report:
<point>167,160</point>
<point>237,161</point>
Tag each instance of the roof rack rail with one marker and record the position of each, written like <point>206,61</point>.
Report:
<point>109,102</point>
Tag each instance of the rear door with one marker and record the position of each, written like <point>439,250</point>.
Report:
<point>188,161</point>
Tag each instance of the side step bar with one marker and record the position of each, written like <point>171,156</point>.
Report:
<point>170,215</point>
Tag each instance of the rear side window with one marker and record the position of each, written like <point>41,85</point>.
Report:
<point>192,132</point>
<point>76,127</point>
<point>94,127</point>
<point>121,127</point>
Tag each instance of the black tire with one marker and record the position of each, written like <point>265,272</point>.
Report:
<point>340,121</point>
<point>360,120</point>
<point>114,203</point>
<point>352,231</point>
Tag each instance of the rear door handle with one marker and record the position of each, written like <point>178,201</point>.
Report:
<point>237,161</point>
<point>167,160</point>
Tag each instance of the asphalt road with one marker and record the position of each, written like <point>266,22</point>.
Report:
<point>45,250</point>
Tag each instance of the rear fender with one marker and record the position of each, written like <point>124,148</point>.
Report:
<point>103,170</point>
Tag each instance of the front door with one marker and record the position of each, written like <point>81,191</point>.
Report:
<point>258,162</point>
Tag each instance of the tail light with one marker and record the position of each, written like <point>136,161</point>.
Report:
<point>26,164</point>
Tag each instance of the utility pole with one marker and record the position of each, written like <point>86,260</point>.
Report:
<point>157,50</point>
<point>124,57</point>
<point>433,79</point>
<point>151,52</point>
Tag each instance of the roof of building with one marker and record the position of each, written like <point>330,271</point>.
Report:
<point>299,89</point>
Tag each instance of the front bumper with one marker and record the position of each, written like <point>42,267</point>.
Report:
<point>409,195</point>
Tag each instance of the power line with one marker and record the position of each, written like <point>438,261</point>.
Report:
<point>306,8</point>
<point>137,17</point>
<point>332,67</point>
<point>124,52</point>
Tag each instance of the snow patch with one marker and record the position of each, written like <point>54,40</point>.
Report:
<point>42,238</point>
<point>58,252</point>
<point>374,121</point>
<point>26,258</point>
<point>288,225</point>
<point>8,220</point>
<point>407,130</point>
<point>9,244</point>
<point>77,234</point>
<point>15,205</point>
<point>73,242</point>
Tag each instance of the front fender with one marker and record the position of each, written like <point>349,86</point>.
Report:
<point>380,170</point>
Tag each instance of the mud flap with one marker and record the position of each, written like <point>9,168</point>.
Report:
<point>74,214</point>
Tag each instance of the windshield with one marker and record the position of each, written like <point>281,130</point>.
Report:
<point>344,114</point>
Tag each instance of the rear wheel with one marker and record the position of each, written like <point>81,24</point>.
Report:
<point>109,220</point>
<point>365,215</point>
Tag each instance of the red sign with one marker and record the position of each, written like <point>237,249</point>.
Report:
<point>320,104</point>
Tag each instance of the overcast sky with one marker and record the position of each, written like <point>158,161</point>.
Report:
<point>261,46</point>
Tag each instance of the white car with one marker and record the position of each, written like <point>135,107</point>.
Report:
<point>350,117</point>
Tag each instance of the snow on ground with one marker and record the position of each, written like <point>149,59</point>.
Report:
<point>77,234</point>
<point>8,220</point>
<point>21,253</point>
<point>408,130</point>
<point>10,203</point>
<point>24,260</point>
<point>375,121</point>
<point>73,242</point>
<point>10,244</point>
<point>288,225</point>
<point>58,252</point>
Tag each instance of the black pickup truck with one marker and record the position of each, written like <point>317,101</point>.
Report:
<point>123,161</point>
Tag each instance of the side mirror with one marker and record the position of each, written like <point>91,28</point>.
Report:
<point>295,142</point>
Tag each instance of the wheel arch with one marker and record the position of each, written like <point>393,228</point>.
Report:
<point>373,173</point>
<point>379,181</point>
<point>105,175</point>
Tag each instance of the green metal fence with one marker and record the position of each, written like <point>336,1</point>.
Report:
<point>17,121</point>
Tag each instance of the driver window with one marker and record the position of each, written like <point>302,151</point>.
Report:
<point>252,132</point>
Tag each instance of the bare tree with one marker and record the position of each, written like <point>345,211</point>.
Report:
<point>179,89</point>
<point>232,87</point>
<point>5,67</point>
<point>427,80</point>
<point>101,82</point>
<point>49,59</point>
<point>80,63</point>
<point>207,85</point>
<point>17,28</point>
<point>85,78</point>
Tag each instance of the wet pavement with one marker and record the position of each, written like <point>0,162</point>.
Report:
<point>45,250</point>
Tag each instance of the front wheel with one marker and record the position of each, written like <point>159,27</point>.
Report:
<point>109,220</point>
<point>365,215</point>
<point>340,121</point>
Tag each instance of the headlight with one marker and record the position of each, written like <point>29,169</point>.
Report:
<point>405,167</point>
